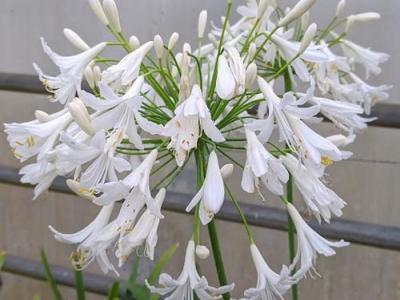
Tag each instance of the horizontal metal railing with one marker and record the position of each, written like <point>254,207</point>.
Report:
<point>380,236</point>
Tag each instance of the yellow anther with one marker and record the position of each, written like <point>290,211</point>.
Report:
<point>326,161</point>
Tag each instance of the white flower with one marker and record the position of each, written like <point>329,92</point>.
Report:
<point>189,282</point>
<point>65,85</point>
<point>297,11</point>
<point>365,56</point>
<point>88,249</point>
<point>36,137</point>
<point>309,244</point>
<point>289,116</point>
<point>120,113</point>
<point>313,54</point>
<point>184,128</point>
<point>321,200</point>
<point>343,114</point>
<point>136,184</point>
<point>145,231</point>
<point>270,285</point>
<point>231,77</point>
<point>128,68</point>
<point>212,194</point>
<point>261,165</point>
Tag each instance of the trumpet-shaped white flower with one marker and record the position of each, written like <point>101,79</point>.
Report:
<point>145,231</point>
<point>128,68</point>
<point>231,78</point>
<point>321,200</point>
<point>88,248</point>
<point>365,56</point>
<point>343,114</point>
<point>36,137</point>
<point>309,244</point>
<point>184,129</point>
<point>135,184</point>
<point>312,54</point>
<point>189,282</point>
<point>262,165</point>
<point>68,82</point>
<point>270,285</point>
<point>289,116</point>
<point>212,194</point>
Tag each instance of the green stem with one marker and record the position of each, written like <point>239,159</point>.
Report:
<point>289,196</point>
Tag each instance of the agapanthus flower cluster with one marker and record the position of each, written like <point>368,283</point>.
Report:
<point>159,104</point>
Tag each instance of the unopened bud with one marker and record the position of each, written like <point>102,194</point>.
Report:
<point>296,12</point>
<point>202,24</point>
<point>111,11</point>
<point>42,116</point>
<point>187,48</point>
<point>202,252</point>
<point>173,40</point>
<point>252,51</point>
<point>75,39</point>
<point>251,75</point>
<point>340,7</point>
<point>308,37</point>
<point>226,171</point>
<point>80,115</point>
<point>305,20</point>
<point>262,7</point>
<point>213,39</point>
<point>159,46</point>
<point>134,42</point>
<point>363,17</point>
<point>89,76</point>
<point>97,73</point>
<point>98,11</point>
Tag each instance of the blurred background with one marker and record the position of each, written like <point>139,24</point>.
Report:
<point>369,182</point>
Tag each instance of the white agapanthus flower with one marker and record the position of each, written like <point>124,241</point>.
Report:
<point>144,232</point>
<point>231,78</point>
<point>191,116</point>
<point>309,244</point>
<point>189,282</point>
<point>365,56</point>
<point>211,195</point>
<point>270,285</point>
<point>321,200</point>
<point>128,68</point>
<point>68,82</point>
<point>262,166</point>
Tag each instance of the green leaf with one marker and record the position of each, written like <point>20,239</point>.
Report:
<point>2,258</point>
<point>113,293</point>
<point>165,258</point>
<point>49,276</point>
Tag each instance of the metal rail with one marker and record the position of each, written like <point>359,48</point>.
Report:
<point>94,283</point>
<point>379,236</point>
<point>388,114</point>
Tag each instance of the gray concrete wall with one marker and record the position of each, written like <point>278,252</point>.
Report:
<point>369,182</point>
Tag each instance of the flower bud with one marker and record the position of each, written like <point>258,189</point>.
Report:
<point>305,20</point>
<point>202,24</point>
<point>251,75</point>
<point>226,171</point>
<point>42,116</point>
<point>187,48</point>
<point>81,116</point>
<point>89,76</point>
<point>75,39</point>
<point>98,11</point>
<point>252,51</point>
<point>159,46</point>
<point>97,73</point>
<point>75,187</point>
<point>297,11</point>
<point>363,17</point>
<point>308,37</point>
<point>111,11</point>
<point>134,42</point>
<point>173,40</point>
<point>262,7</point>
<point>340,7</point>
<point>213,39</point>
<point>202,252</point>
